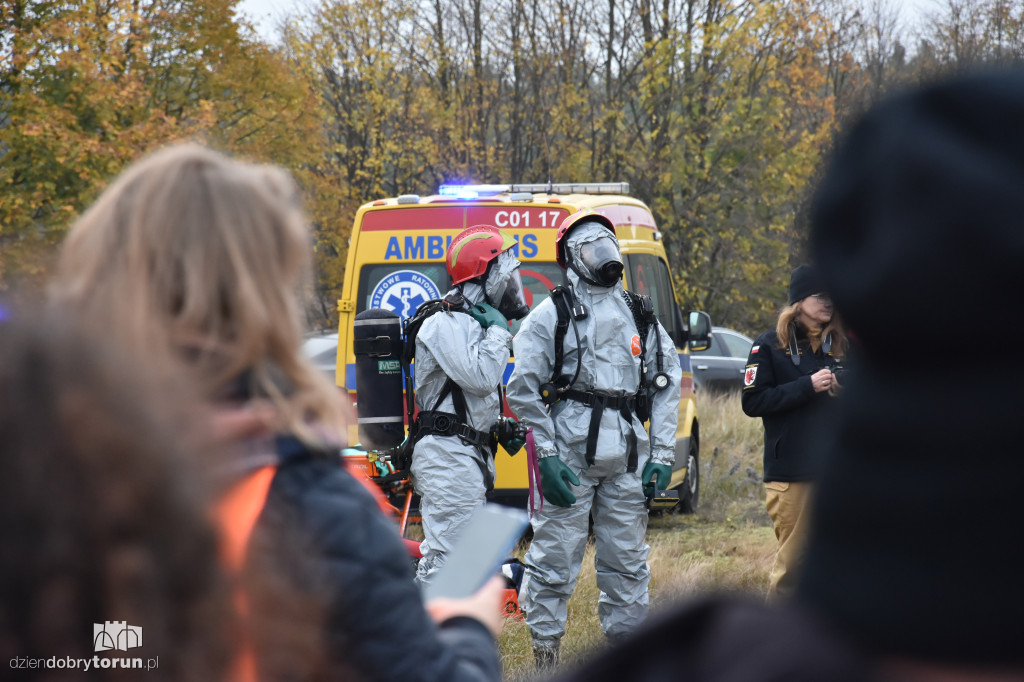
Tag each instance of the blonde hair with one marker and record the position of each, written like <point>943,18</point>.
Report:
<point>786,327</point>
<point>203,258</point>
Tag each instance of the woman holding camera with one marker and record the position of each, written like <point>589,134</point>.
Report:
<point>789,380</point>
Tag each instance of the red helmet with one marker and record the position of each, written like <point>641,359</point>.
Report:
<point>473,249</point>
<point>582,215</point>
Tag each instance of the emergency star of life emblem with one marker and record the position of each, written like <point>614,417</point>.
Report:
<point>749,376</point>
<point>403,291</point>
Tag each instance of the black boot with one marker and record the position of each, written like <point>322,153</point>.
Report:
<point>546,657</point>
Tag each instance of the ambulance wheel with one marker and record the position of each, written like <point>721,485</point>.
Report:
<point>689,489</point>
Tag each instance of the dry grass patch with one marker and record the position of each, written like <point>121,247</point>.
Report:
<point>732,472</point>
<point>689,556</point>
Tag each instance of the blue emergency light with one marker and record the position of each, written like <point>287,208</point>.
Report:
<point>479,191</point>
<point>457,191</point>
<point>471,191</point>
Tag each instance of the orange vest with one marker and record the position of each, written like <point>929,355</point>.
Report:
<point>235,516</point>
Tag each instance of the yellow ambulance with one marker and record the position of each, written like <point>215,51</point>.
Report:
<point>396,262</point>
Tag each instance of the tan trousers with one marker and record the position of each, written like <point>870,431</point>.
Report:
<point>788,508</point>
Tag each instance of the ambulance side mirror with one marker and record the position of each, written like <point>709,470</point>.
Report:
<point>678,330</point>
<point>699,326</point>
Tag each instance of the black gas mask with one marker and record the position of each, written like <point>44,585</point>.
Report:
<point>602,259</point>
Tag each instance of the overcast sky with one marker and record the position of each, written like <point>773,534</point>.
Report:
<point>265,13</point>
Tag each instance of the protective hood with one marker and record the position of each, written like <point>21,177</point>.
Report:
<point>593,254</point>
<point>504,287</point>
<point>472,291</point>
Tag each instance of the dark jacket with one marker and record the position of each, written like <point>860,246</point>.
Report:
<point>730,640</point>
<point>782,395</point>
<point>335,597</point>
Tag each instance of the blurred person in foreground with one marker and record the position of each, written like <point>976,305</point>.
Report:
<point>912,570</point>
<point>789,382</point>
<point>201,259</point>
<point>104,519</point>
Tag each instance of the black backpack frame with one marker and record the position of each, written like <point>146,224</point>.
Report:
<point>452,303</point>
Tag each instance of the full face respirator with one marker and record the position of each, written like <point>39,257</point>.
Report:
<point>601,258</point>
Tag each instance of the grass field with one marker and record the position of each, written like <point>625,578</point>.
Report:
<point>728,545</point>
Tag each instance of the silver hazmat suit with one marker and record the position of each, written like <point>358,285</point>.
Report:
<point>446,470</point>
<point>613,495</point>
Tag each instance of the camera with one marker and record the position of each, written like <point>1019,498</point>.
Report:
<point>838,371</point>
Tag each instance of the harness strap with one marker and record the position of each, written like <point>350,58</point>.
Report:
<point>609,401</point>
<point>559,295</point>
<point>447,424</point>
<point>599,402</point>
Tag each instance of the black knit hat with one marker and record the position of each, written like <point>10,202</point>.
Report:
<point>803,282</point>
<point>916,547</point>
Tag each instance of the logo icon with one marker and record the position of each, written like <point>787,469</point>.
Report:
<point>403,291</point>
<point>116,635</point>
<point>637,348</point>
<point>749,376</point>
<point>389,366</point>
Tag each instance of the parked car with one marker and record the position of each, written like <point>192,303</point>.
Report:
<point>719,369</point>
<point>322,350</point>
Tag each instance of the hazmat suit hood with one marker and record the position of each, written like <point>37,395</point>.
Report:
<point>472,291</point>
<point>593,255</point>
<point>504,287</point>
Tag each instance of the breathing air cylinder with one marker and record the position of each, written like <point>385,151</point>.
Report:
<point>377,342</point>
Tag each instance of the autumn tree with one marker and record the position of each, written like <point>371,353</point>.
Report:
<point>85,88</point>
<point>717,112</point>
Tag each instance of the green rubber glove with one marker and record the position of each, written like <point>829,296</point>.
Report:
<point>663,472</point>
<point>508,436</point>
<point>514,445</point>
<point>488,315</point>
<point>553,475</point>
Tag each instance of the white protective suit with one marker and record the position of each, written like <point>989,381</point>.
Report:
<point>446,471</point>
<point>613,495</point>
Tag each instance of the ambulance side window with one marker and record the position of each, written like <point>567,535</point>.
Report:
<point>539,278</point>
<point>648,275</point>
<point>400,288</point>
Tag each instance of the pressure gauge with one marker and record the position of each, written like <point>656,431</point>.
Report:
<point>661,381</point>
